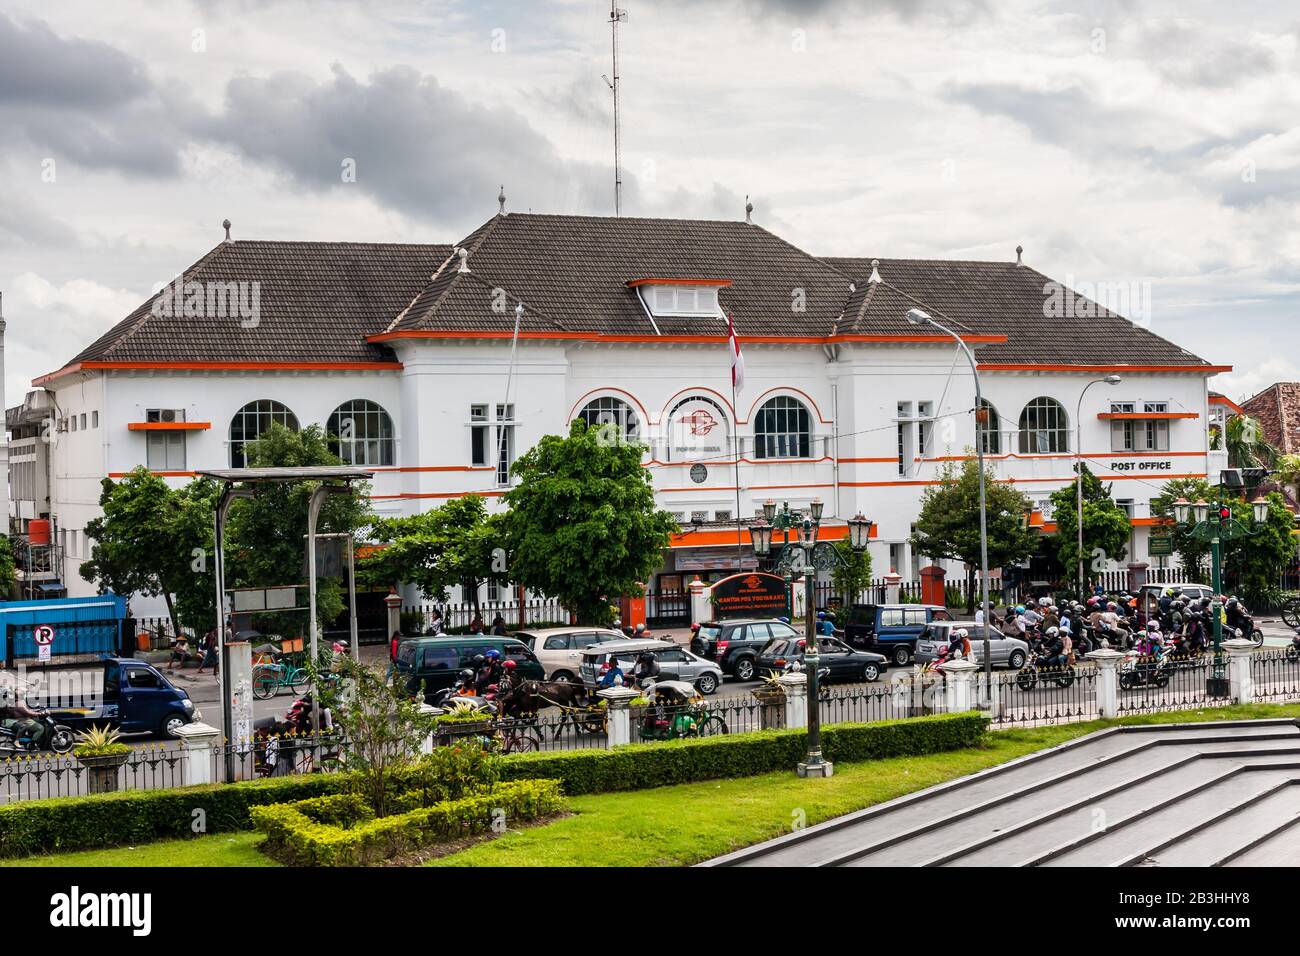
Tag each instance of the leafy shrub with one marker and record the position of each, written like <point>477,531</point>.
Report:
<point>639,766</point>
<point>320,832</point>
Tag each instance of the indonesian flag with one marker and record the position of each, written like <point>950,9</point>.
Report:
<point>737,359</point>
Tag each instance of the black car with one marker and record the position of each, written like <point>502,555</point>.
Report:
<point>844,663</point>
<point>735,645</point>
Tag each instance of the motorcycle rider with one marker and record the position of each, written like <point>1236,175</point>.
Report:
<point>1237,619</point>
<point>489,671</point>
<point>647,669</point>
<point>1054,651</point>
<point>21,718</point>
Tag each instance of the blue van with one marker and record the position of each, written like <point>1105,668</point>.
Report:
<point>132,696</point>
<point>891,629</point>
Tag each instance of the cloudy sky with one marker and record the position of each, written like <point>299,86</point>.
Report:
<point>1143,144</point>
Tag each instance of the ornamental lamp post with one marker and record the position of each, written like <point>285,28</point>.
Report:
<point>1215,524</point>
<point>808,556</point>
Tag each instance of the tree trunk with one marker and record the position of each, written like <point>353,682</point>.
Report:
<point>171,613</point>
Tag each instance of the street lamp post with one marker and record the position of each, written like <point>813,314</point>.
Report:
<point>809,556</point>
<point>1078,465</point>
<point>1215,524</point>
<point>919,317</point>
<point>782,521</point>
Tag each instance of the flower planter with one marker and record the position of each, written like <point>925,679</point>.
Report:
<point>448,733</point>
<point>103,771</point>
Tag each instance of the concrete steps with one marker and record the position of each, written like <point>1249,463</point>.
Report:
<point>1112,798</point>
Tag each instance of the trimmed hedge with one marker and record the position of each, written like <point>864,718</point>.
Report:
<point>341,830</point>
<point>641,766</point>
<point>143,816</point>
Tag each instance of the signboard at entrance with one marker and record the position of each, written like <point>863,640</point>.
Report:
<point>1160,545</point>
<point>44,636</point>
<point>749,595</point>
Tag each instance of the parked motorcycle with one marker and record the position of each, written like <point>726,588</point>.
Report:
<point>32,735</point>
<point>1293,651</point>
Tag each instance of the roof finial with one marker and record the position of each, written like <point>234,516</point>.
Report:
<point>501,199</point>
<point>226,225</point>
<point>1019,250</point>
<point>749,211</point>
<point>464,259</point>
<point>875,271</point>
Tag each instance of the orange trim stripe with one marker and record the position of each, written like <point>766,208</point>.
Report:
<point>160,474</point>
<point>168,426</point>
<point>1136,416</point>
<point>730,536</point>
<point>720,283</point>
<point>222,367</point>
<point>1093,369</point>
<point>1225,400</point>
<point>688,339</point>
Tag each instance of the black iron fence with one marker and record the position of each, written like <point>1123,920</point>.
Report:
<point>1036,696</point>
<point>1275,674</point>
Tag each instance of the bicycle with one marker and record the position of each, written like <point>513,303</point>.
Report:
<point>269,678</point>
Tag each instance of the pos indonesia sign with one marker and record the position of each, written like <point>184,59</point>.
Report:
<point>44,636</point>
<point>749,595</point>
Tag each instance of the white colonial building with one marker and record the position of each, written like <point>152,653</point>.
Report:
<point>409,354</point>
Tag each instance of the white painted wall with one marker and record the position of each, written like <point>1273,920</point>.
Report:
<point>430,398</point>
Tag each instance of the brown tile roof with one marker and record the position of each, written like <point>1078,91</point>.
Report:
<point>318,301</point>
<point>1007,299</point>
<point>321,302</point>
<point>1277,409</point>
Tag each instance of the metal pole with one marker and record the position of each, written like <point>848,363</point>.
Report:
<point>984,527</point>
<point>812,661</point>
<point>219,574</point>
<point>352,596</point>
<point>1216,575</point>
<point>313,513</point>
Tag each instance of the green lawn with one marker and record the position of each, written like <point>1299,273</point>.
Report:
<point>220,849</point>
<point>680,825</point>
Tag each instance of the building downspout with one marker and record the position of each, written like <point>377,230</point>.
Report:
<point>835,443</point>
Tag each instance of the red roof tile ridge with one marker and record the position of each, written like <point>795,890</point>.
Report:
<point>398,319</point>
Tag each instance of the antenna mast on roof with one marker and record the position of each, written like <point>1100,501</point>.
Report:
<point>616,16</point>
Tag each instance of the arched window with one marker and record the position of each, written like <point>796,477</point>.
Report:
<point>783,429</point>
<point>251,421</point>
<point>361,433</point>
<point>987,428</point>
<point>1044,429</point>
<point>613,414</point>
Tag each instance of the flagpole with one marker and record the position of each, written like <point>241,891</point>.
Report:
<point>733,346</point>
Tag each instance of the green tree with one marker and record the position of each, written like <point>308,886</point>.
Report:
<point>853,575</point>
<point>1247,446</point>
<point>154,540</point>
<point>1252,563</point>
<point>1193,553</point>
<point>265,534</point>
<point>457,543</point>
<point>583,526</point>
<point>8,575</point>
<point>1106,526</point>
<point>948,525</point>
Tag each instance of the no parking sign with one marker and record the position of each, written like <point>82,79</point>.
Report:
<point>44,635</point>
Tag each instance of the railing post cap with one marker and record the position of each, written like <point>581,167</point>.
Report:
<point>618,697</point>
<point>1238,645</point>
<point>959,667</point>
<point>1105,656</point>
<point>796,681</point>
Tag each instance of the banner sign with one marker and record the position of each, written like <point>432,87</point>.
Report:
<point>749,595</point>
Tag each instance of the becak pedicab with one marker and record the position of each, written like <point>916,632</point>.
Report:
<point>676,709</point>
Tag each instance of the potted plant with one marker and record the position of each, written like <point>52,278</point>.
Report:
<point>461,718</point>
<point>919,701</point>
<point>101,751</point>
<point>770,695</point>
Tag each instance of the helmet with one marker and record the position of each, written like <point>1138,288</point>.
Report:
<point>695,627</point>
<point>959,632</point>
<point>1053,631</point>
<point>645,656</point>
<point>640,628</point>
<point>1093,600</point>
<point>509,665</point>
<point>1153,626</point>
<point>1112,606</point>
<point>821,615</point>
<point>784,620</point>
<point>1044,602</point>
<point>1020,609</point>
<point>478,660</point>
<point>493,654</point>
<point>467,674</point>
<point>1053,608</point>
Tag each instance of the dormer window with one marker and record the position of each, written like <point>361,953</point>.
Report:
<point>680,298</point>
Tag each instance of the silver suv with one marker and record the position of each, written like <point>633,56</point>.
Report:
<point>559,649</point>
